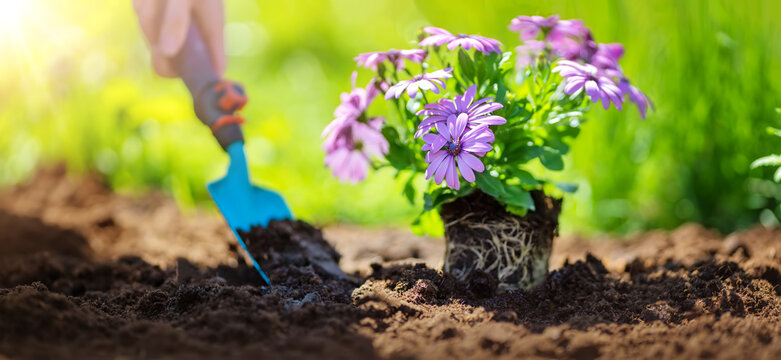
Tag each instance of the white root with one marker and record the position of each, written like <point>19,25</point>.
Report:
<point>508,251</point>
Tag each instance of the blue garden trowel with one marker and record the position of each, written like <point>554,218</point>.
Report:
<point>216,101</point>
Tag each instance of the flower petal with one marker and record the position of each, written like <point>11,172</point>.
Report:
<point>573,85</point>
<point>442,127</point>
<point>440,171</point>
<point>490,120</point>
<point>460,125</point>
<point>476,147</point>
<point>472,161</point>
<point>471,134</point>
<point>412,89</point>
<point>463,167</point>
<point>592,90</point>
<point>485,108</point>
<point>452,176</point>
<point>436,161</point>
<point>469,95</point>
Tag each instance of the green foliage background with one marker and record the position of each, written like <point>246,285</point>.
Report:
<point>77,86</point>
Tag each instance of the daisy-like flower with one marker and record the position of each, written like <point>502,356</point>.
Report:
<point>430,81</point>
<point>585,76</point>
<point>529,27</point>
<point>396,57</point>
<point>357,101</point>
<point>453,150</point>
<point>439,37</point>
<point>352,139</point>
<point>352,107</point>
<point>355,145</point>
<point>478,112</point>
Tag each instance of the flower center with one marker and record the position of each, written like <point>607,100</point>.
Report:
<point>591,71</point>
<point>453,147</point>
<point>462,35</point>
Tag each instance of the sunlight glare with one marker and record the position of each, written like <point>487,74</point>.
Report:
<point>13,14</point>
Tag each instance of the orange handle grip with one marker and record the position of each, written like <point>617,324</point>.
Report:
<point>231,96</point>
<point>215,100</point>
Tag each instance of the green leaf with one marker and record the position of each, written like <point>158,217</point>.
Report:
<point>770,160</point>
<point>466,65</point>
<point>491,65</point>
<point>509,195</point>
<point>566,187</point>
<point>436,198</point>
<point>777,176</point>
<point>773,131</point>
<point>524,109</point>
<point>524,176</point>
<point>501,92</point>
<point>558,145</point>
<point>520,152</point>
<point>481,65</point>
<point>517,211</point>
<point>409,189</point>
<point>551,159</point>
<point>518,197</point>
<point>490,185</point>
<point>398,156</point>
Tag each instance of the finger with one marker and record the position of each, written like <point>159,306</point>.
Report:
<point>148,12</point>
<point>163,65</point>
<point>173,29</point>
<point>210,16</point>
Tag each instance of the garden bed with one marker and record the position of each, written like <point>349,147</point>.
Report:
<point>85,273</point>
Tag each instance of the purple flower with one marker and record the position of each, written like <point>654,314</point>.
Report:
<point>567,39</point>
<point>429,81</point>
<point>439,37</point>
<point>571,40</point>
<point>454,147</point>
<point>586,76</point>
<point>353,106</point>
<point>478,112</point>
<point>352,138</point>
<point>372,59</point>
<point>528,53</point>
<point>607,55</point>
<point>355,145</point>
<point>572,28</point>
<point>636,96</point>
<point>357,101</point>
<point>530,27</point>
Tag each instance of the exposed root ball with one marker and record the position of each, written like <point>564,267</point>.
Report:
<point>483,238</point>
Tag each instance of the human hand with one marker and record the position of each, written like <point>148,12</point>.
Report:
<point>165,24</point>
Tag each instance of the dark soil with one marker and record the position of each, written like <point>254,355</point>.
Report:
<point>690,293</point>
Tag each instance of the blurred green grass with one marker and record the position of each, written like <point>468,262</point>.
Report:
<point>81,90</point>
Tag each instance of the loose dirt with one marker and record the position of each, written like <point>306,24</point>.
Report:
<point>85,273</point>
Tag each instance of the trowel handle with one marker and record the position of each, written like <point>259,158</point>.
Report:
<point>215,100</point>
